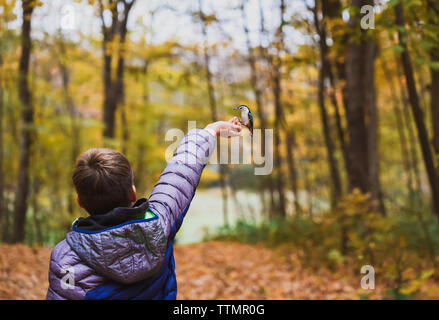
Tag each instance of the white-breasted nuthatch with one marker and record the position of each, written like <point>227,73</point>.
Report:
<point>246,117</point>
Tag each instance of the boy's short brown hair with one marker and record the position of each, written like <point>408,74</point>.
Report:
<point>103,180</point>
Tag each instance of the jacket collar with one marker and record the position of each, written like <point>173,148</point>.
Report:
<point>114,217</point>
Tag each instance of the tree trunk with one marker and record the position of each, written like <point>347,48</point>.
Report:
<point>408,124</point>
<point>356,108</point>
<point>372,127</point>
<point>263,55</point>
<point>279,120</point>
<point>141,169</point>
<point>114,89</point>
<point>281,210</point>
<point>267,180</point>
<point>110,102</point>
<point>325,71</point>
<point>417,111</point>
<point>109,99</point>
<point>35,208</point>
<point>1,145</point>
<point>307,181</point>
<point>75,139</point>
<point>433,20</point>
<point>254,78</point>
<point>27,119</point>
<point>4,222</point>
<point>399,119</point>
<point>4,211</point>
<point>291,161</point>
<point>279,125</point>
<point>414,158</point>
<point>336,189</point>
<point>333,168</point>
<point>434,93</point>
<point>214,113</point>
<point>361,110</point>
<point>120,84</point>
<point>338,118</point>
<point>332,9</point>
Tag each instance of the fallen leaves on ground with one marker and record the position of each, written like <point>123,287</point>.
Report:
<point>23,272</point>
<point>225,270</point>
<point>209,270</point>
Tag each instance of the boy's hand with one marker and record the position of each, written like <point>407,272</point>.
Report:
<point>231,128</point>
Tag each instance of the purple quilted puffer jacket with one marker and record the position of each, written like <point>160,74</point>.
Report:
<point>133,259</point>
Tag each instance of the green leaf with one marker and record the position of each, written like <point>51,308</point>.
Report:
<point>398,48</point>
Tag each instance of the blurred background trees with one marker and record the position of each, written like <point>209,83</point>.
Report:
<point>355,113</point>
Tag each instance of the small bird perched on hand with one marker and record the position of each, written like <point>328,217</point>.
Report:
<point>247,117</point>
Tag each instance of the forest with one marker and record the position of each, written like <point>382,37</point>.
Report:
<point>350,88</point>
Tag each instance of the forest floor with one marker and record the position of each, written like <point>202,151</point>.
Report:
<point>209,270</point>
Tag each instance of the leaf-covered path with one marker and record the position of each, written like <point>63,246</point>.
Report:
<point>210,270</point>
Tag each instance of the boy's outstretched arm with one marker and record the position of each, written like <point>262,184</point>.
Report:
<point>175,189</point>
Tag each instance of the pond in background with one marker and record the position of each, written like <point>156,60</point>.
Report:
<point>206,213</point>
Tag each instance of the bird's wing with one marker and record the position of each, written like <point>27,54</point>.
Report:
<point>250,118</point>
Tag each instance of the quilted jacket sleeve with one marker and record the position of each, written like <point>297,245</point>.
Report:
<point>176,186</point>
